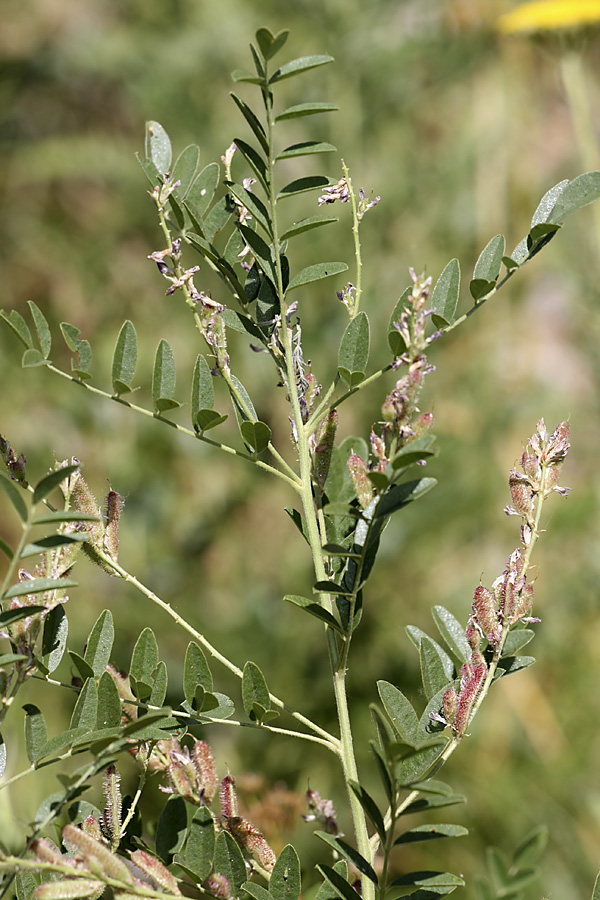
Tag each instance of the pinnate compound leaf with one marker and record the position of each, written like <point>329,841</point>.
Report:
<point>487,267</point>
<point>305,109</point>
<point>163,378</point>
<point>200,845</point>
<point>315,609</point>
<point>195,672</point>
<point>349,853</point>
<point>230,862</point>
<point>202,191</point>
<point>144,658</point>
<point>54,637</point>
<point>86,708</point>
<point>36,734</point>
<point>270,43</point>
<point>431,833</point>
<point>337,881</point>
<point>307,224</point>
<point>297,66</point>
<point>316,273</point>
<point>284,883</point>
<point>15,496</point>
<point>47,484</point>
<point>158,147</point>
<point>19,326</point>
<point>109,704</point>
<point>400,710</point>
<point>255,693</point>
<point>100,642</point>
<point>42,329</point>
<point>444,298</point>
<point>124,359</point>
<point>453,633</point>
<point>370,807</point>
<point>171,829</point>
<point>576,194</point>
<point>301,185</point>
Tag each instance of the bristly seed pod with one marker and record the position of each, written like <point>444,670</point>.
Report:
<point>155,869</point>
<point>68,889</point>
<point>251,841</point>
<point>485,614</point>
<point>362,484</point>
<point>204,763</point>
<point>228,797</point>
<point>325,439</point>
<point>450,705</point>
<point>113,504</point>
<point>111,817</point>
<point>218,885</point>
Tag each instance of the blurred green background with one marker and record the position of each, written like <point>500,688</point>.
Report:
<point>460,133</point>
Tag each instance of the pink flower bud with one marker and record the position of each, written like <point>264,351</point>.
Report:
<point>218,885</point>
<point>155,869</point>
<point>113,505</point>
<point>521,495</point>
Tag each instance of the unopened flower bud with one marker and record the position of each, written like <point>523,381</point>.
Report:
<point>423,424</point>
<point>530,465</point>
<point>45,851</point>
<point>467,697</point>
<point>523,603</point>
<point>473,636</point>
<point>91,826</point>
<point>361,481</point>
<point>388,410</point>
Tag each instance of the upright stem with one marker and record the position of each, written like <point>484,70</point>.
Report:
<point>303,433</point>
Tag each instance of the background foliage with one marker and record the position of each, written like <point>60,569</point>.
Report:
<point>461,134</point>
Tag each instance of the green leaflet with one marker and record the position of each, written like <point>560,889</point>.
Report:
<point>297,66</point>
<point>99,644</point>
<point>158,146</point>
<point>487,267</point>
<point>316,273</point>
<point>42,329</point>
<point>36,734</point>
<point>353,354</point>
<point>195,672</point>
<point>444,298</point>
<point>54,637</point>
<point>284,883</point>
<point>163,378</point>
<point>124,359</point>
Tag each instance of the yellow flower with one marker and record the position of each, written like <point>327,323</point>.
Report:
<point>548,15</point>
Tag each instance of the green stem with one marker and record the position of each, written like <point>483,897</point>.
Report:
<point>355,234</point>
<point>303,432</point>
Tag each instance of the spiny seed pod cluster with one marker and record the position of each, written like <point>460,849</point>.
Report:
<point>190,774</point>
<point>510,599</point>
<point>103,539</point>
<point>248,838</point>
